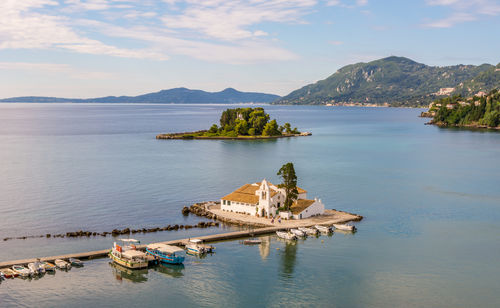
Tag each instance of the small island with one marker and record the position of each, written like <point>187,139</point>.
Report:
<point>243,124</point>
<point>480,111</point>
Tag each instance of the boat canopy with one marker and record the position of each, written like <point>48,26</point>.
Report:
<point>129,240</point>
<point>132,254</point>
<point>196,240</point>
<point>165,248</point>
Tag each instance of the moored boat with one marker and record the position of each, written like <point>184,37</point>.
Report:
<point>61,264</point>
<point>286,235</point>
<point>127,254</point>
<point>33,268</point>
<point>21,270</point>
<point>9,273</point>
<point>75,262</point>
<point>344,227</point>
<point>309,231</point>
<point>195,246</point>
<point>298,232</point>
<point>254,241</point>
<point>49,267</point>
<point>166,253</point>
<point>324,229</point>
<point>2,275</point>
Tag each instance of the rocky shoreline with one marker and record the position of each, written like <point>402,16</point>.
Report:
<point>202,209</point>
<point>193,135</point>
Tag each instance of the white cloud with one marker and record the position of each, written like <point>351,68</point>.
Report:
<point>21,27</point>
<point>232,19</point>
<point>463,11</point>
<point>347,3</point>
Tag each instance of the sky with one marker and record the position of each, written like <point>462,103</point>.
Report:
<point>93,48</point>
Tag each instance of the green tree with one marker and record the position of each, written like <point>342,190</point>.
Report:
<point>241,127</point>
<point>271,129</point>
<point>214,129</point>
<point>287,173</point>
<point>288,128</point>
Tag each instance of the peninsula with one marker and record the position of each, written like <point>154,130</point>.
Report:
<point>479,111</point>
<point>241,124</point>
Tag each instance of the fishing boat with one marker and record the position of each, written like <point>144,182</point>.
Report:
<point>166,253</point>
<point>286,235</point>
<point>127,254</point>
<point>298,232</point>
<point>2,276</point>
<point>323,229</point>
<point>8,273</point>
<point>195,246</point>
<point>61,264</point>
<point>49,267</point>
<point>75,262</point>
<point>254,241</point>
<point>21,270</point>
<point>344,227</point>
<point>310,231</point>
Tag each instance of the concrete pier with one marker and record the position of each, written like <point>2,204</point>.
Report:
<point>181,242</point>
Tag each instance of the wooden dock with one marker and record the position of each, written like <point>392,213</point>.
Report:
<point>181,242</point>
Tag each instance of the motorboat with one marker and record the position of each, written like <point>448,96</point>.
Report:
<point>49,267</point>
<point>254,241</point>
<point>21,270</point>
<point>324,229</point>
<point>166,253</point>
<point>127,254</point>
<point>344,227</point>
<point>61,264</point>
<point>9,273</point>
<point>75,262</point>
<point>309,231</point>
<point>34,268</point>
<point>298,232</point>
<point>2,276</point>
<point>286,235</point>
<point>196,246</point>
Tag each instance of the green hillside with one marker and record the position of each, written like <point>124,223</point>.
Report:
<point>397,81</point>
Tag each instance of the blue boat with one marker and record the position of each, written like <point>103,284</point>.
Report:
<point>166,253</point>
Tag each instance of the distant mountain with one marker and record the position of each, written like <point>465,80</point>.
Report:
<point>397,81</point>
<point>483,82</point>
<point>176,96</point>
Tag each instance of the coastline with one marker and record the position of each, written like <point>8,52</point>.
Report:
<point>465,126</point>
<point>193,135</point>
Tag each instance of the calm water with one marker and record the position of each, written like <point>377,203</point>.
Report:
<point>430,197</point>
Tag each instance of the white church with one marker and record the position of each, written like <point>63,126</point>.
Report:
<point>263,200</point>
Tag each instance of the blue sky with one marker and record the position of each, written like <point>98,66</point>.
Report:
<point>91,48</point>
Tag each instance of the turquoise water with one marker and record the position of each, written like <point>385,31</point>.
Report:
<point>430,198</point>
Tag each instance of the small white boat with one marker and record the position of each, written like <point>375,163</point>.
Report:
<point>196,246</point>
<point>286,235</point>
<point>344,227</point>
<point>298,232</point>
<point>21,270</point>
<point>310,231</point>
<point>323,229</point>
<point>252,241</point>
<point>49,267</point>
<point>33,268</point>
<point>61,264</point>
<point>2,275</point>
<point>75,262</point>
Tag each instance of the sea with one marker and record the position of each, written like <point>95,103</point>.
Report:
<point>430,198</point>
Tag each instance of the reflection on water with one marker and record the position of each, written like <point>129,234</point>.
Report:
<point>265,246</point>
<point>173,270</point>
<point>288,259</point>
<point>135,276</point>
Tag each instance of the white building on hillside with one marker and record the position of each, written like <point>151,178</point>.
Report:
<point>263,199</point>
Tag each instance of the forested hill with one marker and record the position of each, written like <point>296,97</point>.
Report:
<point>172,96</point>
<point>397,81</point>
<point>481,110</point>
